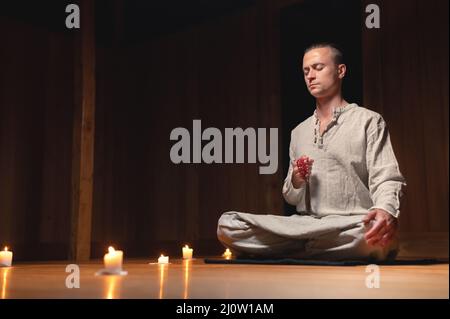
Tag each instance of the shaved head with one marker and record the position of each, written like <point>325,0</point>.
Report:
<point>337,55</point>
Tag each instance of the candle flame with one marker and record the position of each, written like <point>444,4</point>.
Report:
<point>111,249</point>
<point>227,254</point>
<point>186,246</point>
<point>6,248</point>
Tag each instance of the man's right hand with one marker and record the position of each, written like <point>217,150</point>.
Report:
<point>297,178</point>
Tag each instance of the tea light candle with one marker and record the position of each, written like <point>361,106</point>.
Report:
<point>187,252</point>
<point>227,254</point>
<point>163,259</point>
<point>6,258</point>
<point>113,260</point>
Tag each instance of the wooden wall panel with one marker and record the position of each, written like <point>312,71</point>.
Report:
<point>82,177</point>
<point>406,80</point>
<point>35,132</point>
<point>216,72</point>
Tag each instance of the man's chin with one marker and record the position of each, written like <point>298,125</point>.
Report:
<point>317,94</point>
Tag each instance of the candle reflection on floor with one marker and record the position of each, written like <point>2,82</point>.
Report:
<point>187,264</point>
<point>111,287</point>
<point>163,270</point>
<point>4,281</point>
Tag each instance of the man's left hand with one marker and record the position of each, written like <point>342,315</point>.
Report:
<point>383,229</point>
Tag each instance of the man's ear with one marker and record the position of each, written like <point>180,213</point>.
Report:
<point>341,70</point>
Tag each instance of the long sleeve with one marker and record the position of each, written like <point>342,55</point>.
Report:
<point>291,195</point>
<point>385,181</point>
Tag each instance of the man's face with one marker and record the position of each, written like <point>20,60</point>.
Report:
<point>322,75</point>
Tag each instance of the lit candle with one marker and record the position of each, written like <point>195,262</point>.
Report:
<point>6,258</point>
<point>163,259</point>
<point>113,260</point>
<point>187,252</point>
<point>227,254</point>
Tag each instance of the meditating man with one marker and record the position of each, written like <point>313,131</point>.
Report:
<point>343,178</point>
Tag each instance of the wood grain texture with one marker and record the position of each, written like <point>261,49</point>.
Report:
<point>36,105</point>
<point>221,73</point>
<point>83,137</point>
<point>406,80</point>
<point>196,280</point>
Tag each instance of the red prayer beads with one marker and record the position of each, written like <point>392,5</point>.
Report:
<point>303,167</point>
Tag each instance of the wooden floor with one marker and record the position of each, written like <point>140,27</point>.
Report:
<point>183,280</point>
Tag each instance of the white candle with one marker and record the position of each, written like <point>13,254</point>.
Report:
<point>113,260</point>
<point>163,259</point>
<point>187,252</point>
<point>227,254</point>
<point>6,258</point>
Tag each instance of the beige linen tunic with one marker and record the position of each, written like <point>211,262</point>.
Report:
<point>354,170</point>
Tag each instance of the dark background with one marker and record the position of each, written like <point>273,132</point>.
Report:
<point>161,64</point>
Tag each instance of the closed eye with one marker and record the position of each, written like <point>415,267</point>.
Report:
<point>316,66</point>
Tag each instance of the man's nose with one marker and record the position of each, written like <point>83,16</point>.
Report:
<point>310,76</point>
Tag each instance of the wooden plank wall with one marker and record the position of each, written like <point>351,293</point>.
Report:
<point>220,73</point>
<point>406,80</point>
<point>36,110</point>
<point>82,181</point>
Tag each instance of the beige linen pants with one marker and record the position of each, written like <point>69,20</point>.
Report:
<point>331,237</point>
